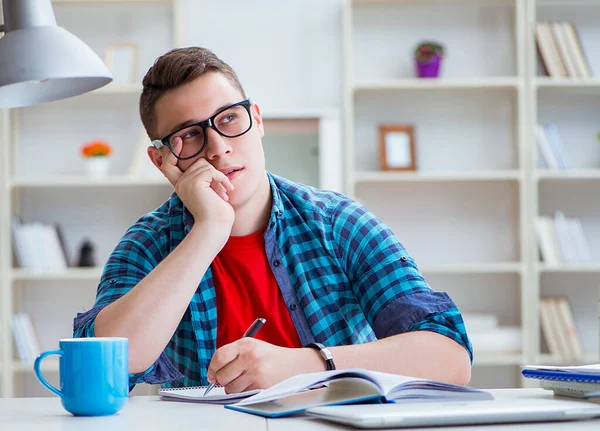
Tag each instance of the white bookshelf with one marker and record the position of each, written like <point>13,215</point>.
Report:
<point>571,104</point>
<point>494,162</point>
<point>38,186</point>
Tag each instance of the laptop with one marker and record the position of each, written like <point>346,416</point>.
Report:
<point>419,414</point>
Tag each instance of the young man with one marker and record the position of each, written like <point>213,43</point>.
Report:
<point>235,243</point>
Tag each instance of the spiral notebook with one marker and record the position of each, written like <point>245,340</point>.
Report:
<point>196,394</point>
<point>574,381</point>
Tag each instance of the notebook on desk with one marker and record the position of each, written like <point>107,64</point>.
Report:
<point>573,381</point>
<point>196,394</point>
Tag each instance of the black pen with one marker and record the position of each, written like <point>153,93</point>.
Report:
<point>250,332</point>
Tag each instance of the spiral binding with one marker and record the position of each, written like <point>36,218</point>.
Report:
<point>187,387</point>
<point>562,377</point>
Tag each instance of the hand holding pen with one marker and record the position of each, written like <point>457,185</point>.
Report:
<point>250,332</point>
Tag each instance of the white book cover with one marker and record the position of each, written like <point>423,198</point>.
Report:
<point>32,239</point>
<point>581,246</point>
<point>54,250</point>
<point>19,337</point>
<point>565,240</point>
<point>24,257</point>
<point>548,329</point>
<point>549,51</point>
<point>575,44</point>
<point>544,227</point>
<point>563,47</point>
<point>558,146</point>
<point>33,345</point>
<point>560,328</point>
<point>545,149</point>
<point>571,331</point>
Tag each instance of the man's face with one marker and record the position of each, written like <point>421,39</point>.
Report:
<point>201,99</point>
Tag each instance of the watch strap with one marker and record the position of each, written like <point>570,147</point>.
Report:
<point>325,354</point>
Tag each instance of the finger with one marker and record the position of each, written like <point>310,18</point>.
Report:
<point>169,163</point>
<point>228,375</point>
<point>211,178</point>
<point>221,358</point>
<point>240,384</point>
<point>220,190</point>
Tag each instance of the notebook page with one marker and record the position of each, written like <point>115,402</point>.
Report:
<point>297,384</point>
<point>217,395</point>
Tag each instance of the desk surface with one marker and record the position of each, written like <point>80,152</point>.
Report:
<point>149,413</point>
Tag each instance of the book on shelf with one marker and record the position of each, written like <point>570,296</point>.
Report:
<point>38,246</point>
<point>561,239</point>
<point>350,386</point>
<point>26,340</point>
<point>559,328</point>
<point>561,51</point>
<point>551,147</point>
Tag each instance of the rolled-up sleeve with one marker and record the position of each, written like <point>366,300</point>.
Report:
<point>137,253</point>
<point>390,288</point>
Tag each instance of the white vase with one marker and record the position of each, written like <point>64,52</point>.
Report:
<point>97,167</point>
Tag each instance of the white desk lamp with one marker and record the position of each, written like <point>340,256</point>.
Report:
<point>40,61</point>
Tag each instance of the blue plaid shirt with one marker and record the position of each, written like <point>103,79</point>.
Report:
<point>344,276</point>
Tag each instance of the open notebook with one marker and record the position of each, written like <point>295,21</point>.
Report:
<point>196,394</point>
<point>356,385</point>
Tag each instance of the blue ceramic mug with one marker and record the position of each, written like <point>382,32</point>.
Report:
<point>94,375</point>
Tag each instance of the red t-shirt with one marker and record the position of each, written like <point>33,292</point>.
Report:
<point>246,289</point>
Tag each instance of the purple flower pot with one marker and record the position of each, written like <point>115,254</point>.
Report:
<point>430,69</point>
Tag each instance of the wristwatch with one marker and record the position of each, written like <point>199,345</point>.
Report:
<point>325,353</point>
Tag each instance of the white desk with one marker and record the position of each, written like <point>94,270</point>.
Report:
<point>149,414</point>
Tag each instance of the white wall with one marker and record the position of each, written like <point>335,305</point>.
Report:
<point>286,53</point>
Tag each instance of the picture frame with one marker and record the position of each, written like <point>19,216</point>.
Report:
<point>397,147</point>
<point>122,59</point>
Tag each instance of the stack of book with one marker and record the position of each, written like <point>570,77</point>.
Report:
<point>553,153</point>
<point>561,239</point>
<point>26,340</point>
<point>39,246</point>
<point>561,50</point>
<point>559,328</point>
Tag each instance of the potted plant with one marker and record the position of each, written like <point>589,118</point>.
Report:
<point>428,58</point>
<point>96,155</point>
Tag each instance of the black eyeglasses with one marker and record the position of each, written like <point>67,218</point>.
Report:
<point>230,122</point>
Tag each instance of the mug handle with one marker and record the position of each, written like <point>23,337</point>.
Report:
<point>38,372</point>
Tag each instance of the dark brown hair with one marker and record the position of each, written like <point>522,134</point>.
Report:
<point>174,69</point>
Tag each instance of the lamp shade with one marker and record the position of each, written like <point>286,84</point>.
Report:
<point>46,63</point>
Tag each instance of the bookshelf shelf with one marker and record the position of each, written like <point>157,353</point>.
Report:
<point>81,181</point>
<point>59,2</point>
<point>48,365</point>
<point>70,274</point>
<point>433,2</point>
<point>569,267</point>
<point>498,359</point>
<point>392,177</point>
<point>116,89</point>
<point>547,82</point>
<point>567,174</point>
<point>474,268</point>
<point>438,84</point>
